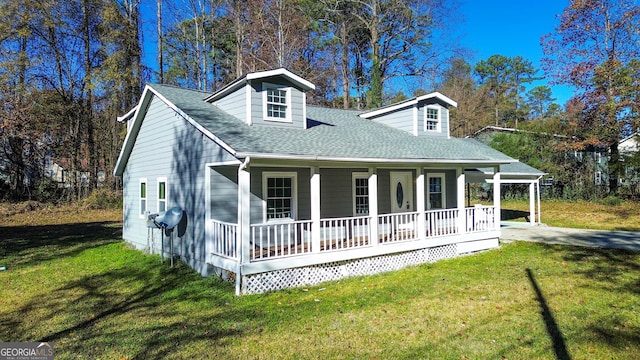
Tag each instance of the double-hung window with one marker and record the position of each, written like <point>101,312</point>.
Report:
<point>279,189</point>
<point>142,196</point>
<point>360,194</point>
<point>431,118</point>
<point>162,194</point>
<point>277,103</point>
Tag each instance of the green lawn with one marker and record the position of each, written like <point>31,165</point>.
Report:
<point>581,214</point>
<point>75,283</point>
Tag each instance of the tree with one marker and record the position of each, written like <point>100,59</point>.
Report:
<point>503,77</point>
<point>539,100</point>
<point>471,113</point>
<point>399,32</point>
<point>590,48</point>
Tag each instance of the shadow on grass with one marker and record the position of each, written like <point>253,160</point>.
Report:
<point>27,245</point>
<point>507,214</point>
<point>128,303</point>
<point>559,346</point>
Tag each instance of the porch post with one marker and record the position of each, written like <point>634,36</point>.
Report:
<point>421,204</point>
<point>496,196</point>
<point>532,204</point>
<point>461,180</point>
<point>539,210</point>
<point>315,209</point>
<point>244,220</point>
<point>373,207</point>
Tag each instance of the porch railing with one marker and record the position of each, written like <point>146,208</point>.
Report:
<point>344,233</point>
<point>398,227</point>
<point>442,222</point>
<point>224,239</point>
<point>481,218</point>
<point>276,240</point>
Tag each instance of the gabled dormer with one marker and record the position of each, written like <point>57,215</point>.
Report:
<point>271,98</point>
<point>426,115</point>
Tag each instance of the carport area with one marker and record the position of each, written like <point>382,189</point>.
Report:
<point>514,173</point>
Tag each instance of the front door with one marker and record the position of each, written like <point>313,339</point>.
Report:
<point>401,191</point>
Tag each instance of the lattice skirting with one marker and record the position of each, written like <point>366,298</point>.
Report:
<point>316,274</point>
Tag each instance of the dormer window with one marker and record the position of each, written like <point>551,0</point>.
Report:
<point>432,119</point>
<point>276,103</point>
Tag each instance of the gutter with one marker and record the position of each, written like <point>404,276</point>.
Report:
<point>373,160</point>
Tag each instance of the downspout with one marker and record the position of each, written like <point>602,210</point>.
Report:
<point>240,234</point>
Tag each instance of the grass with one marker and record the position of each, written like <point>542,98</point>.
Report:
<point>75,283</point>
<point>581,214</point>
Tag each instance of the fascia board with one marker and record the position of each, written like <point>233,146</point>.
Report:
<point>409,103</point>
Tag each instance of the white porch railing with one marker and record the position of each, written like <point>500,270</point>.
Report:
<point>224,239</point>
<point>481,218</point>
<point>398,227</point>
<point>285,239</point>
<point>442,222</point>
<point>276,240</point>
<point>344,233</point>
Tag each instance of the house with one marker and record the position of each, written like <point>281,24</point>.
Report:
<point>628,148</point>
<point>593,158</point>
<point>279,194</point>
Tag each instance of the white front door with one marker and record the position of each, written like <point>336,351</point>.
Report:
<point>401,191</point>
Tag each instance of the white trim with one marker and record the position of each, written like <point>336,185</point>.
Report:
<point>128,115</point>
<point>294,193</point>
<point>166,193</point>
<point>438,128</point>
<point>354,176</point>
<point>443,189</point>
<point>439,162</point>
<point>141,212</point>
<point>282,72</point>
<point>373,205</point>
<point>265,104</point>
<point>297,80</point>
<point>408,103</point>
<point>247,105</point>
<point>304,110</point>
<point>415,121</point>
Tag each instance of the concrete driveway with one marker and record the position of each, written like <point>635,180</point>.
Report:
<point>577,237</point>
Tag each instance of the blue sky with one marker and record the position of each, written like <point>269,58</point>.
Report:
<point>511,28</point>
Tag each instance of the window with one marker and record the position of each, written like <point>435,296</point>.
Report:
<point>279,191</point>
<point>360,194</point>
<point>277,101</point>
<point>431,119</point>
<point>436,191</point>
<point>143,197</point>
<point>598,178</point>
<point>162,194</point>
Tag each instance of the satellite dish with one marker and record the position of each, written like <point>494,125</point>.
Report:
<point>169,219</point>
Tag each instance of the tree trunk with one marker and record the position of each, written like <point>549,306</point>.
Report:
<point>344,35</point>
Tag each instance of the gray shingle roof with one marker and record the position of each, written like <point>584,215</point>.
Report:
<point>331,134</point>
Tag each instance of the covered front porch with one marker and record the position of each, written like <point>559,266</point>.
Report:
<point>288,232</point>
